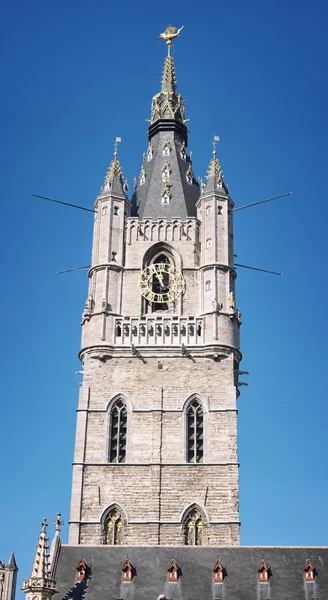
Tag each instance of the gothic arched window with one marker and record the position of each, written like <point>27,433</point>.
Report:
<point>194,529</point>
<point>117,434</point>
<point>113,530</point>
<point>195,426</point>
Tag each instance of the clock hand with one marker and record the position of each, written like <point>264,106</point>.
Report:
<point>160,278</point>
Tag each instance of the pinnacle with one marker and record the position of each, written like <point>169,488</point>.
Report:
<point>214,168</point>
<point>168,104</point>
<point>214,179</point>
<point>114,169</point>
<point>41,562</point>
<point>168,78</point>
<point>114,179</point>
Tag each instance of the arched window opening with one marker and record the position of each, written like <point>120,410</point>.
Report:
<point>194,529</point>
<point>118,423</point>
<point>113,533</point>
<point>195,426</point>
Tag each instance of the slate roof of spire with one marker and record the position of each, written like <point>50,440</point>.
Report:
<point>11,564</point>
<point>214,180</point>
<point>167,126</point>
<point>114,179</point>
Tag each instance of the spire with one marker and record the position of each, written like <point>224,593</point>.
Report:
<point>41,561</point>
<point>214,179</point>
<point>41,583</point>
<point>11,564</point>
<point>169,79</point>
<point>55,546</point>
<point>166,187</point>
<point>114,176</point>
<point>168,104</point>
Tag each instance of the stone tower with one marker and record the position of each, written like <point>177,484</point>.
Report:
<point>8,576</point>
<point>156,449</point>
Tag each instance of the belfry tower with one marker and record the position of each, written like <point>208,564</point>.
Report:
<point>156,449</point>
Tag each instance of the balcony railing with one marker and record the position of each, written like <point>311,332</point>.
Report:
<point>158,331</point>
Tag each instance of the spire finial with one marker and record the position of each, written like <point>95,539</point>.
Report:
<point>215,140</point>
<point>116,143</point>
<point>169,34</point>
<point>58,524</point>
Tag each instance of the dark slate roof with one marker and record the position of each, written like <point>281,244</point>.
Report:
<point>11,564</point>
<point>167,122</point>
<point>184,195</point>
<point>196,566</point>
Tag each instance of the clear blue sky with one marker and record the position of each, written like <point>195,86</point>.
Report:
<point>75,75</point>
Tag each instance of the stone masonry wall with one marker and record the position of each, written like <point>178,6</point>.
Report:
<point>156,484</point>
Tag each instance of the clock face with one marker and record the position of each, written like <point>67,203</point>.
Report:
<point>161,282</point>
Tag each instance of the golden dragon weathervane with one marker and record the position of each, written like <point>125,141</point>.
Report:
<point>169,34</point>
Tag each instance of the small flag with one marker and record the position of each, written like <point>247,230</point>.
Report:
<point>216,138</point>
<point>118,139</point>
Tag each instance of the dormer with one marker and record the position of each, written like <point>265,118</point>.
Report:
<point>264,573</point>
<point>309,571</point>
<point>173,572</point>
<point>127,571</point>
<point>81,571</point>
<point>219,573</point>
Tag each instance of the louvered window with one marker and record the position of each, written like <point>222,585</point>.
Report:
<point>118,423</point>
<point>195,425</point>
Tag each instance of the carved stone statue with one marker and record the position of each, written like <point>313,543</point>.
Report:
<point>231,300</point>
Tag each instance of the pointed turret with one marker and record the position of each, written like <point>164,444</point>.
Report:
<point>114,177</point>
<point>41,584</point>
<point>11,564</point>
<point>8,576</point>
<point>166,187</point>
<point>214,179</point>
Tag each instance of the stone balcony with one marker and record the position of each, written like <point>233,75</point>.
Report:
<point>159,330</point>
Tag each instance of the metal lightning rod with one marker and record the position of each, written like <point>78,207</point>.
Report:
<point>71,270</point>
<point>236,265</point>
<point>260,202</point>
<point>65,203</point>
<point>257,269</point>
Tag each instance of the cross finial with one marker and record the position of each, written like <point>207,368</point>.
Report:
<point>58,523</point>
<point>117,140</point>
<point>216,139</point>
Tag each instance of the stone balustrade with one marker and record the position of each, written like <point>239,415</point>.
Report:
<point>168,230</point>
<point>159,331</point>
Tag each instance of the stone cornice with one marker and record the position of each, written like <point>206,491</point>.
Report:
<point>215,351</point>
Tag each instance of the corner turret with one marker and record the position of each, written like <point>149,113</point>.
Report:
<point>8,576</point>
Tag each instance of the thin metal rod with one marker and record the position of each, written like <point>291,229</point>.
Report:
<point>261,202</point>
<point>71,270</point>
<point>65,203</point>
<point>257,269</point>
